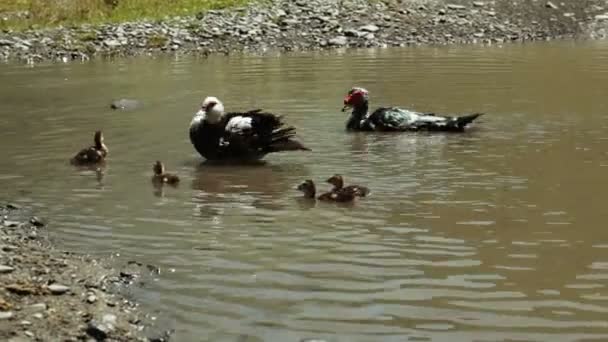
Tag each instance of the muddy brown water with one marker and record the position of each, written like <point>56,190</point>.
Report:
<point>496,234</point>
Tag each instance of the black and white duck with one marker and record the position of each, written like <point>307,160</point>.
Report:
<point>310,191</point>
<point>338,182</point>
<point>250,135</point>
<point>161,177</point>
<point>397,119</point>
<point>92,155</point>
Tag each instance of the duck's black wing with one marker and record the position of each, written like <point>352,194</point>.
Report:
<point>256,133</point>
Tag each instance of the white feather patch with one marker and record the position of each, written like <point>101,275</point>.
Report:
<point>238,124</point>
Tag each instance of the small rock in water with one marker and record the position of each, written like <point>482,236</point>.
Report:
<point>91,299</point>
<point>6,315</point>
<point>601,17</point>
<point>58,289</point>
<point>38,315</point>
<point>478,4</point>
<point>11,223</point>
<point>29,333</point>
<point>6,269</point>
<point>37,222</point>
<point>125,104</point>
<point>25,323</point>
<point>551,5</point>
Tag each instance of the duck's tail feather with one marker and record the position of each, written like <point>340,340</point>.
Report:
<point>463,121</point>
<point>283,139</point>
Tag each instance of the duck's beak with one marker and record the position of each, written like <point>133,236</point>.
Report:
<point>347,104</point>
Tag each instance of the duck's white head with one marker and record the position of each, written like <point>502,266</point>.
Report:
<point>213,109</point>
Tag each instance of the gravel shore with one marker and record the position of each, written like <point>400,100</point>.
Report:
<point>50,295</point>
<point>286,25</point>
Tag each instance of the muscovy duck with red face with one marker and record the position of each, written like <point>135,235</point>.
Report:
<point>397,119</point>
<point>251,135</point>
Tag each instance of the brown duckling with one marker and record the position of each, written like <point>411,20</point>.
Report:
<point>310,191</point>
<point>93,154</point>
<point>338,182</point>
<point>160,177</point>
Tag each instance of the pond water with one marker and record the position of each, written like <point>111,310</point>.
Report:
<point>492,235</point>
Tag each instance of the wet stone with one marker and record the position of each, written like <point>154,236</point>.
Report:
<point>338,41</point>
<point>6,269</point>
<point>58,289</point>
<point>369,28</point>
<point>456,7</point>
<point>5,315</point>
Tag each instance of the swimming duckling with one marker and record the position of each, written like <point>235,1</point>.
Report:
<point>309,190</point>
<point>338,182</point>
<point>160,177</point>
<point>92,154</point>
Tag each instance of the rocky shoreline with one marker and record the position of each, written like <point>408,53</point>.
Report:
<point>50,295</point>
<point>286,25</point>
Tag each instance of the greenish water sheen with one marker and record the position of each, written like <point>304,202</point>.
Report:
<point>493,235</point>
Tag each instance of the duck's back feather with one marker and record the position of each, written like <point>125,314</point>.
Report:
<point>398,119</point>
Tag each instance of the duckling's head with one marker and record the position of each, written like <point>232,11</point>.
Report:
<point>308,188</point>
<point>213,109</point>
<point>336,180</point>
<point>158,168</point>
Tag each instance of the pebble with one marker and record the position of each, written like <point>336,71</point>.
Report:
<point>125,104</point>
<point>37,222</point>
<point>109,319</point>
<point>5,315</point>
<point>456,7</point>
<point>369,28</point>
<point>338,41</point>
<point>58,289</point>
<point>6,269</point>
<point>29,333</point>
<point>92,299</point>
<point>8,223</point>
<point>38,315</point>
<point>25,323</point>
<point>551,5</point>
